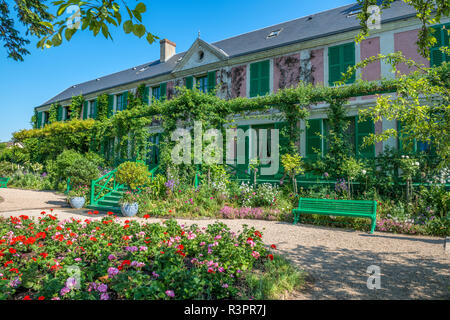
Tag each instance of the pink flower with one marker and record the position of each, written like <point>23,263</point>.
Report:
<point>170,293</point>
<point>255,254</point>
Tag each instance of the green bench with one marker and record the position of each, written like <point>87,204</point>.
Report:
<point>344,208</point>
<point>3,182</point>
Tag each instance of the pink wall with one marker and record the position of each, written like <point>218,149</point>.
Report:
<point>317,66</point>
<point>239,81</point>
<point>406,43</point>
<point>286,71</point>
<point>369,48</point>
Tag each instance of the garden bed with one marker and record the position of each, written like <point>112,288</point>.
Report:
<point>106,259</point>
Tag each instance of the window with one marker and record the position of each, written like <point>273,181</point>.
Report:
<point>339,59</point>
<point>317,137</point>
<point>93,109</point>
<point>259,78</point>
<point>45,117</point>
<point>274,33</point>
<point>66,113</point>
<point>437,57</point>
<point>121,101</point>
<point>156,92</point>
<point>202,84</point>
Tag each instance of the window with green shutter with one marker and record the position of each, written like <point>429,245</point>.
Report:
<point>364,129</point>
<point>437,57</point>
<point>189,82</point>
<point>121,101</point>
<point>339,59</point>
<point>59,113</point>
<point>145,98</point>
<point>314,138</point>
<point>93,109</point>
<point>259,78</point>
<point>156,93</point>
<point>163,91</point>
<point>202,84</point>
<point>39,119</point>
<point>211,81</point>
<point>406,142</point>
<point>85,110</point>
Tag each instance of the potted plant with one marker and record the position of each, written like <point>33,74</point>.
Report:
<point>129,204</point>
<point>77,196</point>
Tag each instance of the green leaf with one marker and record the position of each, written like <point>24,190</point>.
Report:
<point>137,15</point>
<point>128,26</point>
<point>69,33</point>
<point>139,30</point>
<point>62,9</point>
<point>141,8</point>
<point>150,38</point>
<point>57,39</point>
<point>105,30</point>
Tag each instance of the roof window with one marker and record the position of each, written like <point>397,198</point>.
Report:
<point>274,33</point>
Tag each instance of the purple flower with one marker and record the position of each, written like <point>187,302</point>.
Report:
<point>112,257</point>
<point>112,272</point>
<point>104,296</point>
<point>102,288</point>
<point>64,291</point>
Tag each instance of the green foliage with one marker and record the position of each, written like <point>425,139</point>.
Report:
<point>133,174</point>
<point>53,113</point>
<point>76,106</point>
<point>102,107</point>
<point>73,165</point>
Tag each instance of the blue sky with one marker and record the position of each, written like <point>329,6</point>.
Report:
<point>45,73</point>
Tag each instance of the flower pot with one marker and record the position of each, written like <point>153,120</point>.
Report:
<point>129,209</point>
<point>77,202</point>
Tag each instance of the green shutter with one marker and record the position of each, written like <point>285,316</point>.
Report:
<point>254,79</point>
<point>85,110</point>
<point>339,59</point>
<point>125,100</point>
<point>364,129</point>
<point>259,78</point>
<point>242,169</point>
<point>313,138</point>
<point>211,80</point>
<point>95,113</point>
<point>334,65</point>
<point>189,82</point>
<point>110,105</point>
<point>39,119</point>
<point>348,59</point>
<point>59,113</point>
<point>264,81</point>
<point>163,90</point>
<point>437,57</point>
<point>146,95</point>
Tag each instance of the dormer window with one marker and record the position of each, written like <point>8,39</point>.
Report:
<point>353,13</point>
<point>274,33</point>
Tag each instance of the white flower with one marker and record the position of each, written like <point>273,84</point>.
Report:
<point>363,172</point>
<point>417,163</point>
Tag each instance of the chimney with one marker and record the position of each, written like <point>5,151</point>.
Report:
<point>167,49</point>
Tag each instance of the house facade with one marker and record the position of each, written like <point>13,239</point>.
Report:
<point>315,49</point>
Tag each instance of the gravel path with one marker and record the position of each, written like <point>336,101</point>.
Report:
<point>412,267</point>
<point>18,199</point>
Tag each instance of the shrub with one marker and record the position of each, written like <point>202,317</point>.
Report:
<point>133,174</point>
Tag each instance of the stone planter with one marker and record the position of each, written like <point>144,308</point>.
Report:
<point>129,209</point>
<point>77,202</point>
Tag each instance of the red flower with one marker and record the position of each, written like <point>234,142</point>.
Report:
<point>93,239</point>
<point>42,212</point>
<point>8,262</point>
<point>126,226</point>
<point>14,270</point>
<point>126,262</point>
<point>146,216</point>
<point>44,255</point>
<point>110,213</point>
<point>69,242</point>
<point>270,256</point>
<point>12,250</point>
<point>162,252</point>
<point>273,246</point>
<point>27,298</point>
<point>258,234</point>
<point>41,298</point>
<point>95,212</point>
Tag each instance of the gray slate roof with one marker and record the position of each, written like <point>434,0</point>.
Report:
<point>302,29</point>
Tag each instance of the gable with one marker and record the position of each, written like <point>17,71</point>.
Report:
<point>199,54</point>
